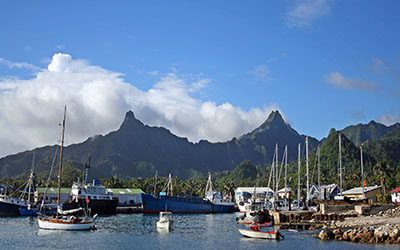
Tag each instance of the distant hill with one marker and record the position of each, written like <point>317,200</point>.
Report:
<point>136,149</point>
<point>372,131</point>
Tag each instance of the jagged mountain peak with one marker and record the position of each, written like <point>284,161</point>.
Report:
<point>274,119</point>
<point>130,120</point>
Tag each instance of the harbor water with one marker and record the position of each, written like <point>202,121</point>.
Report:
<point>138,231</point>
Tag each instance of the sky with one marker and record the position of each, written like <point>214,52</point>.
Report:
<point>209,70</point>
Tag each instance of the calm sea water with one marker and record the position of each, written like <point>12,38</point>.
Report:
<point>138,231</point>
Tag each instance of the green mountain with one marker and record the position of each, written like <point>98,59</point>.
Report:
<point>372,131</point>
<point>136,149</point>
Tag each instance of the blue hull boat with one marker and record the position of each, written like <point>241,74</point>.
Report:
<point>187,205</point>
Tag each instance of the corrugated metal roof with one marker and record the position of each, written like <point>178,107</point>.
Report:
<point>358,190</point>
<point>54,190</point>
<point>125,190</point>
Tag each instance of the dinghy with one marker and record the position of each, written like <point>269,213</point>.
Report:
<point>254,232</point>
<point>164,222</point>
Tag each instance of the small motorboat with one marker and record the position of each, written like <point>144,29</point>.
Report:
<point>254,232</point>
<point>165,221</point>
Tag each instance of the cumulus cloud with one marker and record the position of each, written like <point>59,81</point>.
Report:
<point>339,80</point>
<point>389,119</point>
<point>303,13</point>
<point>97,100</point>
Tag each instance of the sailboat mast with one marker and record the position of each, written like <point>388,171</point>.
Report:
<point>340,164</point>
<point>286,156</point>
<point>298,175</point>
<point>155,184</point>
<point>362,170</point>
<point>319,166</point>
<point>307,170</point>
<point>277,169</point>
<point>61,157</point>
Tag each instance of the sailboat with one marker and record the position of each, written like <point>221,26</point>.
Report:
<point>61,221</point>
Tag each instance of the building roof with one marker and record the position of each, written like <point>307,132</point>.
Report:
<point>251,189</point>
<point>117,191</point>
<point>288,190</point>
<point>396,190</point>
<point>358,190</point>
<point>53,190</point>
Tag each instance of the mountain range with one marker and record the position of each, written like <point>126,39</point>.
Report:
<point>136,149</point>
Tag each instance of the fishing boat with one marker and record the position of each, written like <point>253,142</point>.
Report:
<point>165,222</point>
<point>270,235</point>
<point>11,205</point>
<point>61,221</point>
<point>212,203</point>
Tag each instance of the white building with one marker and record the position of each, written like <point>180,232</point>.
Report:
<point>395,194</point>
<point>282,192</point>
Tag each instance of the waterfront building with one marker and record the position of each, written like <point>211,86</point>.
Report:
<point>357,193</point>
<point>395,195</point>
<point>325,192</point>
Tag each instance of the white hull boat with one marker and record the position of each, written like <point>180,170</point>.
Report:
<point>164,222</point>
<point>272,235</point>
<point>64,224</point>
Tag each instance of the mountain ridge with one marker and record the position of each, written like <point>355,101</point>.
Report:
<point>136,149</point>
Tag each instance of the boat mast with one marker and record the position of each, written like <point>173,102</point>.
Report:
<point>31,179</point>
<point>209,185</point>
<point>286,156</point>
<point>307,170</point>
<point>362,170</point>
<point>61,157</point>
<point>340,164</point>
<point>298,175</point>
<point>155,184</point>
<point>276,169</point>
<point>319,167</point>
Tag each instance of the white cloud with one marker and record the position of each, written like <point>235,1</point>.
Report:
<point>389,119</point>
<point>97,100</point>
<point>303,13</point>
<point>261,73</point>
<point>18,65</point>
<point>339,80</point>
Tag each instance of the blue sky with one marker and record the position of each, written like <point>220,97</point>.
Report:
<point>323,63</point>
